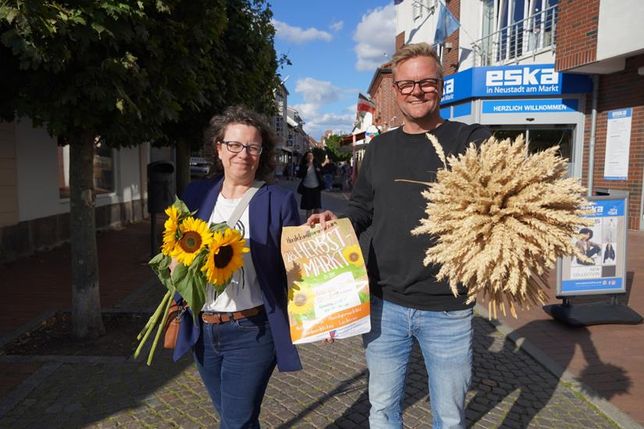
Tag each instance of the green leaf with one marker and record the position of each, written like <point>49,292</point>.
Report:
<point>9,13</point>
<point>182,207</point>
<point>158,259</point>
<point>192,289</point>
<point>98,28</point>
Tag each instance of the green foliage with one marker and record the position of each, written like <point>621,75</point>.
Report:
<point>151,70</point>
<point>333,146</point>
<point>244,71</point>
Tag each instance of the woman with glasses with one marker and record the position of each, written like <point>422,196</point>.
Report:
<point>243,332</point>
<point>310,187</point>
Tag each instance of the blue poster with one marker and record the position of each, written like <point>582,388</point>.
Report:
<point>602,269</point>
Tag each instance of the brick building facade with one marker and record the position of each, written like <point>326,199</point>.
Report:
<point>587,43</point>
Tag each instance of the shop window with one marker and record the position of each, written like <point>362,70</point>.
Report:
<point>103,169</point>
<point>540,138</point>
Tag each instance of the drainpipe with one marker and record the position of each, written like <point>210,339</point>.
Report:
<point>593,132</point>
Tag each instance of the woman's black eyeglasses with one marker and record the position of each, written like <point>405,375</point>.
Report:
<point>251,148</point>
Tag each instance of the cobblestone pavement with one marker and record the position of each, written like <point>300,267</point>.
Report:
<point>509,390</point>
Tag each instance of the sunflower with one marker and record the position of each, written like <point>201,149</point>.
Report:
<point>171,227</point>
<point>353,255</point>
<point>300,300</point>
<point>195,236</point>
<point>224,256</point>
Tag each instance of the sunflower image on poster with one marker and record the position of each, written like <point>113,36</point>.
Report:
<point>328,288</point>
<point>300,301</point>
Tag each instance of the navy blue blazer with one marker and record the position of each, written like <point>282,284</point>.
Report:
<point>271,208</point>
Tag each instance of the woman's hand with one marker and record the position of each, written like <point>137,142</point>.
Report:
<point>173,264</point>
<point>321,218</point>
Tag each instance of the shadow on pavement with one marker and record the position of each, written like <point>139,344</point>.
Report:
<point>497,378</point>
<point>509,388</point>
<point>77,394</point>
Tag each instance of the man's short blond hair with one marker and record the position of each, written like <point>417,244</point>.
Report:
<point>416,50</point>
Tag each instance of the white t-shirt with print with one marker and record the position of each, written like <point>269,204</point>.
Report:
<point>243,292</point>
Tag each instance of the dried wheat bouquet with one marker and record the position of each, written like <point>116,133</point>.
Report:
<point>501,218</point>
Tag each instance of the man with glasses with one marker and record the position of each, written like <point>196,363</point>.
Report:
<point>407,301</point>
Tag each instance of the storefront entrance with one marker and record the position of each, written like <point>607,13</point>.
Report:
<point>541,137</point>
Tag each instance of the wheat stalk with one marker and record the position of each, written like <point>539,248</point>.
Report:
<point>502,217</point>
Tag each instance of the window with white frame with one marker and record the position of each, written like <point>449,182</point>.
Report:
<point>417,9</point>
<point>514,28</point>
<point>103,169</point>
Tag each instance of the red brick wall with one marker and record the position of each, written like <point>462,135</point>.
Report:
<point>576,33</point>
<point>617,91</point>
<point>400,40</point>
<point>383,94</point>
<point>450,59</point>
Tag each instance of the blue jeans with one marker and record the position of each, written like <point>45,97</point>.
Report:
<point>235,360</point>
<point>445,339</point>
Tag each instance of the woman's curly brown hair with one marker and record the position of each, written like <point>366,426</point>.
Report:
<point>243,115</point>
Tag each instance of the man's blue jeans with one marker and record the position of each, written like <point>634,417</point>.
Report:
<point>445,339</point>
<point>235,360</point>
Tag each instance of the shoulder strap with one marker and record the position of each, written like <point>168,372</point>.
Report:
<point>243,203</point>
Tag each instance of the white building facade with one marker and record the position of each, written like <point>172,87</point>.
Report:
<point>553,71</point>
<point>34,187</point>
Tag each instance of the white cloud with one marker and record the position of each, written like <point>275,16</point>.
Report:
<point>317,92</point>
<point>320,122</point>
<point>306,110</point>
<point>299,35</point>
<point>316,95</point>
<point>375,37</point>
<point>336,26</point>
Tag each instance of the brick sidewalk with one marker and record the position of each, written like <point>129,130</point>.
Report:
<point>39,285</point>
<point>510,388</point>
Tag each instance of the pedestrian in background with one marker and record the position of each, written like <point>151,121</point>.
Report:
<point>243,332</point>
<point>407,302</point>
<point>311,185</point>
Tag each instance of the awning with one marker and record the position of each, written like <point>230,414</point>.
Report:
<point>349,138</point>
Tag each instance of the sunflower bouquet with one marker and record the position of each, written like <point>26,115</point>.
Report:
<point>203,256</point>
<point>501,218</point>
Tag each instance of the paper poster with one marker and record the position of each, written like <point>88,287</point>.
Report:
<point>618,141</point>
<point>604,245</point>
<point>328,284</point>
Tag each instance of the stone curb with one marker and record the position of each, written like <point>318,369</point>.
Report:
<point>620,418</point>
<point>19,393</point>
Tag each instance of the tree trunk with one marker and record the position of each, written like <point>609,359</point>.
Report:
<point>87,321</point>
<point>182,167</point>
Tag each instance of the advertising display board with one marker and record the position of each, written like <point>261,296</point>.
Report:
<point>604,244</point>
<point>525,80</point>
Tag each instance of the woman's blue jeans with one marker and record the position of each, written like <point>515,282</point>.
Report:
<point>445,339</point>
<point>235,360</point>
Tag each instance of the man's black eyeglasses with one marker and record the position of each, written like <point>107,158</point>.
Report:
<point>251,148</point>
<point>406,87</point>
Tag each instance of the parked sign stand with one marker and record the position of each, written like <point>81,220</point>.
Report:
<point>602,275</point>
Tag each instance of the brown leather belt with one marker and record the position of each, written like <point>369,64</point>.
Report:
<point>223,317</point>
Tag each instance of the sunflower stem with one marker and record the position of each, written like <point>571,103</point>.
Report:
<point>159,330</point>
<point>154,319</point>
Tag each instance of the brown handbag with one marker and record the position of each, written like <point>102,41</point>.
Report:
<point>173,319</point>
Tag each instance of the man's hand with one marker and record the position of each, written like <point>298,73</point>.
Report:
<point>321,218</point>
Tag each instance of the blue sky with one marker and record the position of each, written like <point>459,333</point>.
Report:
<point>335,46</point>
